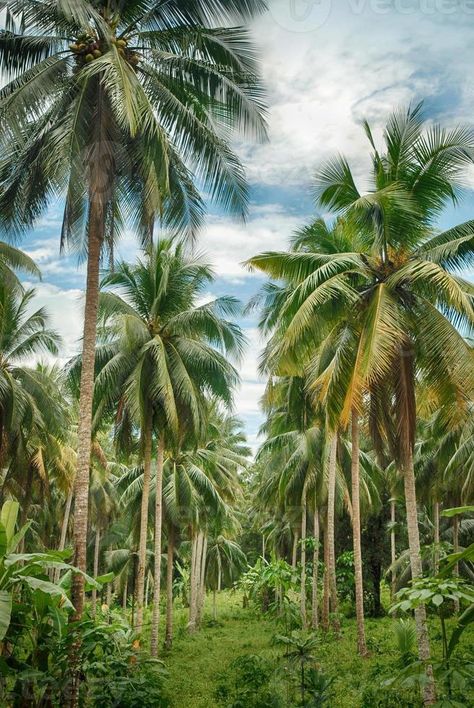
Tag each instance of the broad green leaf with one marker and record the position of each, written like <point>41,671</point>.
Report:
<point>437,600</point>
<point>455,511</point>
<point>15,540</point>
<point>48,588</point>
<point>466,619</point>
<point>8,517</point>
<point>3,540</point>
<point>5,612</point>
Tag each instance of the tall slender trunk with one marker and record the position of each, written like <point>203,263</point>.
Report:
<point>294,552</point>
<point>147,588</point>
<point>436,537</point>
<point>214,604</point>
<point>303,559</point>
<point>331,530</point>
<point>393,547</point>
<point>96,231</point>
<point>359,586</point>
<point>125,595</point>
<point>96,570</point>
<point>84,432</point>
<point>429,693</point>
<point>155,621</point>
<point>64,527</point>
<point>456,550</point>
<point>140,582</point>
<point>406,404</point>
<point>195,574</point>
<point>109,595</point>
<point>169,589</point>
<point>326,591</point>
<point>314,598</point>
<point>202,581</point>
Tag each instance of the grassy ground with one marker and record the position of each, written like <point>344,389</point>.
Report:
<point>195,662</point>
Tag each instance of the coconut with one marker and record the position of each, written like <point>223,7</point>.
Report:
<point>89,57</point>
<point>97,53</point>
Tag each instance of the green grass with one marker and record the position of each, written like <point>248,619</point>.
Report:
<point>195,662</point>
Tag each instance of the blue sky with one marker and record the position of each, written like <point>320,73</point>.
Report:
<point>326,65</point>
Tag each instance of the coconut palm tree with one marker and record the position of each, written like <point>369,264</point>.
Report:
<point>120,106</point>
<point>403,286</point>
<point>161,352</point>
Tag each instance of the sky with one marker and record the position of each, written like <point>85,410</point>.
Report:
<point>326,65</point>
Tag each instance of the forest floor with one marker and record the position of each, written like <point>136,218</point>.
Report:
<point>198,664</point>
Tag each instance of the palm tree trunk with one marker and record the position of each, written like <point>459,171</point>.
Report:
<point>456,550</point>
<point>125,595</point>
<point>314,599</point>
<point>96,230</point>
<point>429,692</point>
<point>195,573</point>
<point>294,553</point>
<point>169,589</point>
<point>393,546</point>
<point>214,605</point>
<point>64,526</point>
<point>157,569</point>
<point>202,581</point>
<point>436,537</point>
<point>303,559</point>
<point>326,591</point>
<point>96,570</point>
<point>331,530</point>
<point>140,583</point>
<point>95,239</point>
<point>359,587</point>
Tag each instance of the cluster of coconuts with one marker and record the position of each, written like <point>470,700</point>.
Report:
<point>86,49</point>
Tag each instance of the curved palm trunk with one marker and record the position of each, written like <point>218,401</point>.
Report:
<point>331,529</point>
<point>303,559</point>
<point>96,570</point>
<point>140,582</point>
<point>169,589</point>
<point>314,599</point>
<point>155,621</point>
<point>406,405</point>
<point>393,547</point>
<point>359,587</point>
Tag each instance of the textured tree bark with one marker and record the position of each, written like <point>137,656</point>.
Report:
<point>326,592</point>
<point>294,552</point>
<point>96,231</point>
<point>202,581</point>
<point>140,583</point>
<point>125,595</point>
<point>406,405</point>
<point>359,586</point>
<point>96,570</point>
<point>155,622</point>
<point>456,550</point>
<point>393,547</point>
<point>429,693</point>
<point>195,576</point>
<point>303,559</point>
<point>169,589</point>
<point>314,599</point>
<point>81,483</point>
<point>331,530</point>
<point>436,537</point>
